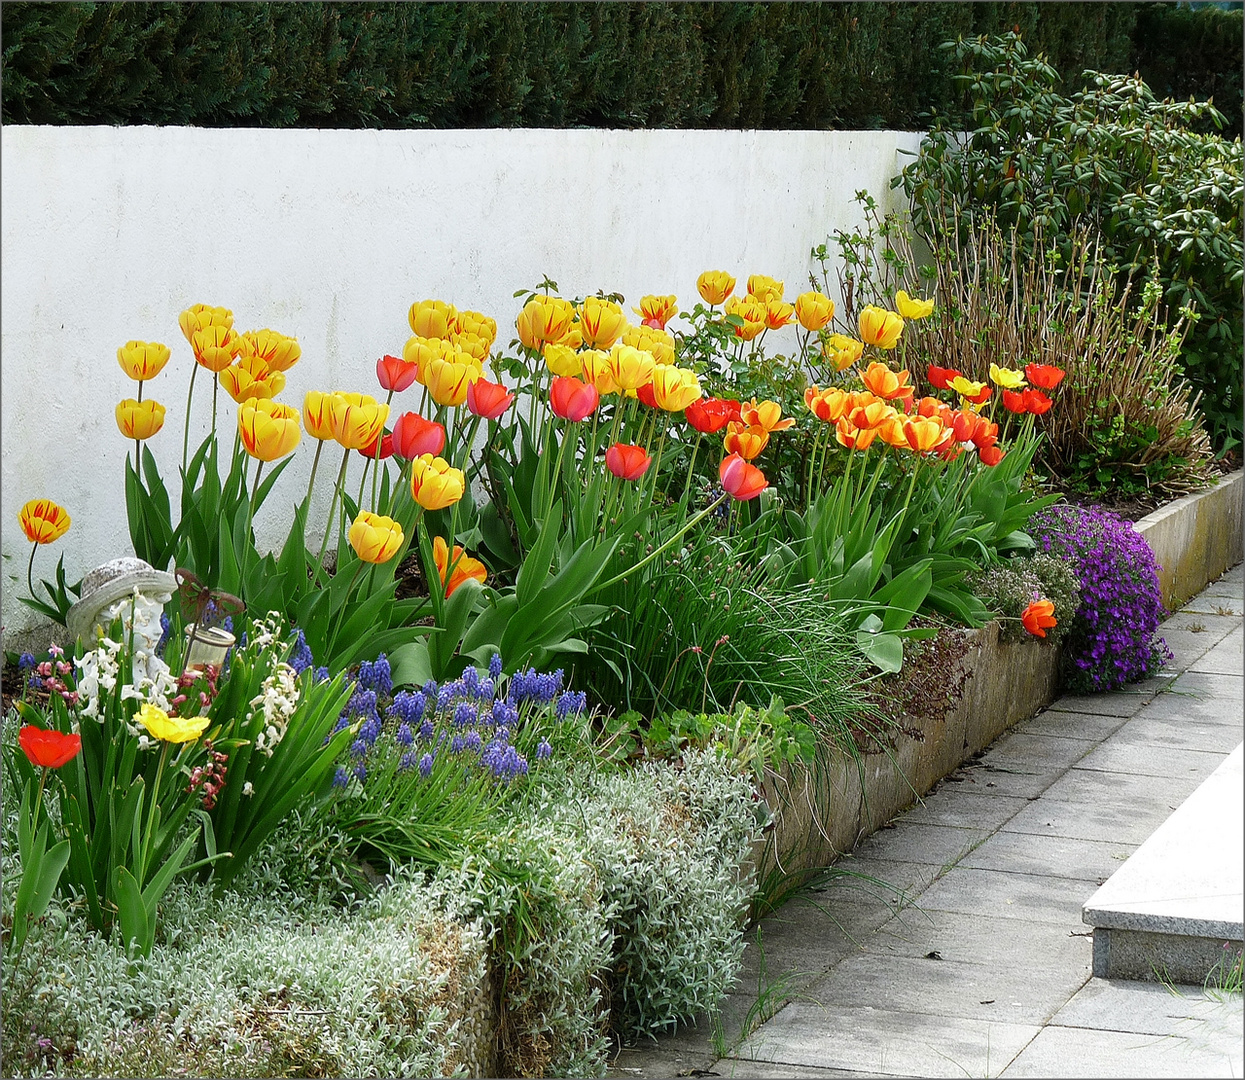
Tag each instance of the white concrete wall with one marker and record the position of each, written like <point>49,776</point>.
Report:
<point>329,236</point>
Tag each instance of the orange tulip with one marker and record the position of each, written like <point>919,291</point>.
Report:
<point>829,404</point>
<point>923,435</point>
<point>854,438</point>
<point>627,462</point>
<point>745,440</point>
<point>413,436</point>
<point>1039,617</point>
<point>778,313</point>
<point>880,380</point>
<point>1036,402</point>
<point>741,480</point>
<point>766,414</point>
<point>488,399</point>
<point>464,566</point>
<point>48,749</point>
<point>931,407</point>
<point>941,377</point>
<point>711,415</point>
<point>43,521</point>
<point>869,415</point>
<point>990,455</point>
<point>879,327</point>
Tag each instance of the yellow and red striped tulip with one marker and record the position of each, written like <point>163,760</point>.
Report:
<point>879,327</point>
<point>431,318</point>
<point>279,352</point>
<point>140,419</point>
<point>375,538</point>
<point>715,286</point>
<point>143,360</point>
<point>601,322</point>
<point>814,310</point>
<point>269,429</point>
<point>43,521</point>
<point>435,484</point>
<point>358,419</point>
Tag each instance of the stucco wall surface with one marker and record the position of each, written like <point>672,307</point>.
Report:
<point>329,236</point>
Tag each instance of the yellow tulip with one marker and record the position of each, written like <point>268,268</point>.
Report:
<point>215,346</point>
<point>435,484</point>
<point>674,389</point>
<point>715,286</point>
<point>357,420</point>
<point>171,729</point>
<point>600,322</point>
<point>269,429</point>
<point>879,327</point>
<point>630,367</point>
<point>375,538</point>
<point>278,352</point>
<point>140,419</point>
<point>1007,378</point>
<point>43,521</point>
<point>318,414</point>
<point>472,344</point>
<point>651,340</point>
<point>431,318</point>
<point>595,366</point>
<point>842,351</point>
<point>751,311</point>
<point>198,316</point>
<point>778,313</point>
<point>911,307</point>
<point>447,380</point>
<point>658,309</point>
<point>421,351</point>
<point>545,320</point>
<point>240,384</point>
<point>142,360</point>
<point>472,322</point>
<point>764,288</point>
<point>562,360</point>
<point>814,310</point>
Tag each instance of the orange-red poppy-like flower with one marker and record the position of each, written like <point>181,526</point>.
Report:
<point>741,480</point>
<point>488,399</point>
<point>43,521</point>
<point>848,434</point>
<point>715,286</point>
<point>1014,401</point>
<point>710,415</point>
<point>48,749</point>
<point>991,455</point>
<point>923,435</point>
<point>1039,617</point>
<point>464,566</point>
<point>1044,376</point>
<point>880,380</point>
<point>879,327</point>
<point>657,310</point>
<point>940,377</point>
<point>413,436</point>
<point>1036,402</point>
<point>765,414</point>
<point>627,462</point>
<point>395,374</point>
<point>746,440</point>
<point>573,400</point>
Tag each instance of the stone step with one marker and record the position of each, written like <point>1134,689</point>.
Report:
<point>1169,911</point>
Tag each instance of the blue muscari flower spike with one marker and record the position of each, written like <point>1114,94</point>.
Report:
<point>485,690</point>
<point>341,778</point>
<point>407,707</point>
<point>227,625</point>
<point>429,689</point>
<point>27,661</point>
<point>464,714</point>
<point>470,678</point>
<point>360,747</point>
<point>544,750</point>
<point>322,674</point>
<point>571,703</point>
<point>474,742</point>
<point>426,730</point>
<point>425,765</point>
<point>494,667</point>
<point>166,628</point>
<point>407,761</point>
<point>360,772</point>
<point>456,744</point>
<point>300,656</point>
<point>404,735</point>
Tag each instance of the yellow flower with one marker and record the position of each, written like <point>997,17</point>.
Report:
<point>651,340</point>
<point>357,420</point>
<point>431,318</point>
<point>43,521</point>
<point>1006,377</point>
<point>814,310</point>
<point>318,414</point>
<point>778,313</point>
<point>435,484</point>
<point>215,346</point>
<point>545,320</point>
<point>421,351</point>
<point>481,326</point>
<point>171,729</point>
<point>142,360</point>
<point>277,351</point>
<point>269,430</point>
<point>472,344</point>
<point>674,389</point>
<point>198,316</point>
<point>879,327</point>
<point>562,360</point>
<point>375,538</point>
<point>911,307</point>
<point>630,367</point>
<point>595,365</point>
<point>140,419</point>
<point>658,309</point>
<point>751,311</point>
<point>240,383</point>
<point>715,286</point>
<point>764,288</point>
<point>842,351</point>
<point>600,322</point>
<point>447,380</point>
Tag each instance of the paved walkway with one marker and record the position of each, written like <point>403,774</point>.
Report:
<point>980,965</point>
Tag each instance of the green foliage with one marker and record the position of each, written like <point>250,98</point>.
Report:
<point>1010,586</point>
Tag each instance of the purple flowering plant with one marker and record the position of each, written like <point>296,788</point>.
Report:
<point>1112,639</point>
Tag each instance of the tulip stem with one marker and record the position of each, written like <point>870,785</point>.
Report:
<point>691,468</point>
<point>30,566</point>
<point>154,794</point>
<point>189,397</point>
<point>215,390</point>
<point>380,438</point>
<point>328,525</point>
<point>367,464</point>
<point>315,464</point>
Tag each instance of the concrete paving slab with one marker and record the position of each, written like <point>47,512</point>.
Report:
<point>1210,734</point>
<point>939,845</point>
<point>1206,686</point>
<point>650,1061</point>
<point>1136,792</point>
<point>1037,754</point>
<point>737,1016</point>
<point>953,804</point>
<point>1187,649</point>
<point>1128,822</point>
<point>765,1070</point>
<point>1030,897</point>
<point>876,880</point>
<point>960,937</point>
<point>1052,856</point>
<point>1072,725</point>
<point>1152,1009</point>
<point>1226,658</point>
<point>1159,761</point>
<point>1216,619</point>
<point>1123,703</point>
<point>887,1041</point>
<point>1061,1051</point>
<point>1013,781</point>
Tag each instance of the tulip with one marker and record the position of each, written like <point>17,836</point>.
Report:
<point>395,374</point>
<point>481,326</point>
<point>931,407</point>
<point>923,435</point>
<point>969,390</point>
<point>413,436</point>
<point>990,455</point>
<point>986,434</point>
<point>269,430</point>
<point>842,351</point>
<point>627,462</point>
<point>890,431</point>
<point>674,389</point>
<point>448,380</point>
<point>942,377</point>
<point>488,399</point>
<point>814,310</point>
<point>573,400</point>
<point>1036,402</point>
<point>880,380</point>
<point>651,339</point>
<point>765,414</point>
<point>375,538</point>
<point>198,316</point>
<point>1006,377</point>
<point>240,384</point>
<point>752,312</point>
<point>386,449</point>
<point>657,310</point>
<point>630,367</point>
<point>431,318</point>
<point>143,360</point>
<point>435,484</point>
<point>1039,617</point>
<point>828,405</point>
<point>1045,376</point>
<point>318,414</point>
<point>1014,401</point>
<point>562,360</point>
<point>48,749</point>
<point>746,440</point>
<point>595,366</point>
<point>464,566</point>
<point>357,419</point>
<point>43,521</point>
<point>545,320</point>
<point>645,395</point>
<point>764,288</point>
<point>910,307</point>
<point>715,286</point>
<point>854,438</point>
<point>778,314</point>
<point>278,351</point>
<point>171,729</point>
<point>140,419</point>
<point>879,327</point>
<point>421,352</point>
<point>964,424</point>
<point>870,414</point>
<point>601,322</point>
<point>740,479</point>
<point>472,344</point>
<point>215,346</point>
<point>710,415</point>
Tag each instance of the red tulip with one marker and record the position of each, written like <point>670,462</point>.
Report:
<point>1047,376</point>
<point>1038,617</point>
<point>741,480</point>
<point>386,449</point>
<point>645,394</point>
<point>710,415</point>
<point>964,424</point>
<point>941,376</point>
<point>1014,401</point>
<point>571,399</point>
<point>413,436</point>
<point>51,749</point>
<point>627,462</point>
<point>986,435</point>
<point>990,455</point>
<point>488,399</point>
<point>1036,402</point>
<point>395,373</point>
